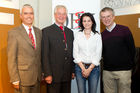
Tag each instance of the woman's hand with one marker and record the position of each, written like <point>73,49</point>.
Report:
<point>86,73</point>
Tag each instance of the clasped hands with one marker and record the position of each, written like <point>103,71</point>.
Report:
<point>86,72</point>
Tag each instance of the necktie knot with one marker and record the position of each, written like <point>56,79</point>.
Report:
<point>61,27</point>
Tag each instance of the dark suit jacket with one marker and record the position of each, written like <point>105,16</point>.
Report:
<point>56,59</point>
<point>24,62</point>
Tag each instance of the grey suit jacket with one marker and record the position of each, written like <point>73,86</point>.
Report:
<point>24,62</point>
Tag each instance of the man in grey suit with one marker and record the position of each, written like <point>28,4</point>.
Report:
<point>24,54</point>
<point>57,46</point>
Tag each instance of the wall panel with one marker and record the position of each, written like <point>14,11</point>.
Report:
<point>5,86</point>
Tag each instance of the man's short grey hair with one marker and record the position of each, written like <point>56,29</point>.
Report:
<point>25,5</point>
<point>107,9</point>
<point>59,6</point>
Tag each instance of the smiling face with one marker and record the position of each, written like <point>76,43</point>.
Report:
<point>60,15</point>
<point>87,23</point>
<point>107,18</point>
<point>27,16</point>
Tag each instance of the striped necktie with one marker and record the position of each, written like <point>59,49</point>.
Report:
<point>32,38</point>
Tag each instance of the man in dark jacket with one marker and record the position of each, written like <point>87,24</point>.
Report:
<point>57,59</point>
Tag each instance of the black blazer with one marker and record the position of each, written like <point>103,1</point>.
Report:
<point>56,59</point>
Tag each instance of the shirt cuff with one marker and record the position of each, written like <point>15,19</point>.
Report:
<point>77,60</point>
<point>96,63</point>
<point>15,83</point>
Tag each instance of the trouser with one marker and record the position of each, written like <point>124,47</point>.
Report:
<point>61,87</point>
<point>117,81</point>
<point>92,80</point>
<point>29,89</point>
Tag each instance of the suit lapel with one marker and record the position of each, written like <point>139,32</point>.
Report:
<point>61,35</point>
<point>25,35</point>
<point>37,37</point>
<point>58,31</point>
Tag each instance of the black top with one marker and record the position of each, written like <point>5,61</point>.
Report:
<point>118,49</point>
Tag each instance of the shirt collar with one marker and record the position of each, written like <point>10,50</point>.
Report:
<point>90,33</point>
<point>59,25</point>
<point>112,27</point>
<point>26,27</point>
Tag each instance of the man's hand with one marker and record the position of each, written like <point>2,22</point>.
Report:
<point>48,79</point>
<point>16,85</point>
<point>73,76</point>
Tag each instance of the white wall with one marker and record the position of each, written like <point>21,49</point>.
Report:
<point>10,4</point>
<point>123,7</point>
<point>42,11</point>
<point>128,10</point>
<point>45,13</point>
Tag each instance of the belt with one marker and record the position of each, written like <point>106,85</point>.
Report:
<point>86,64</point>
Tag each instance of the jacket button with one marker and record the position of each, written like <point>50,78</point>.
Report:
<point>65,58</point>
<point>65,49</point>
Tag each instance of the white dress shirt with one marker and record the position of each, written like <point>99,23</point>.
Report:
<point>87,50</point>
<point>27,30</point>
